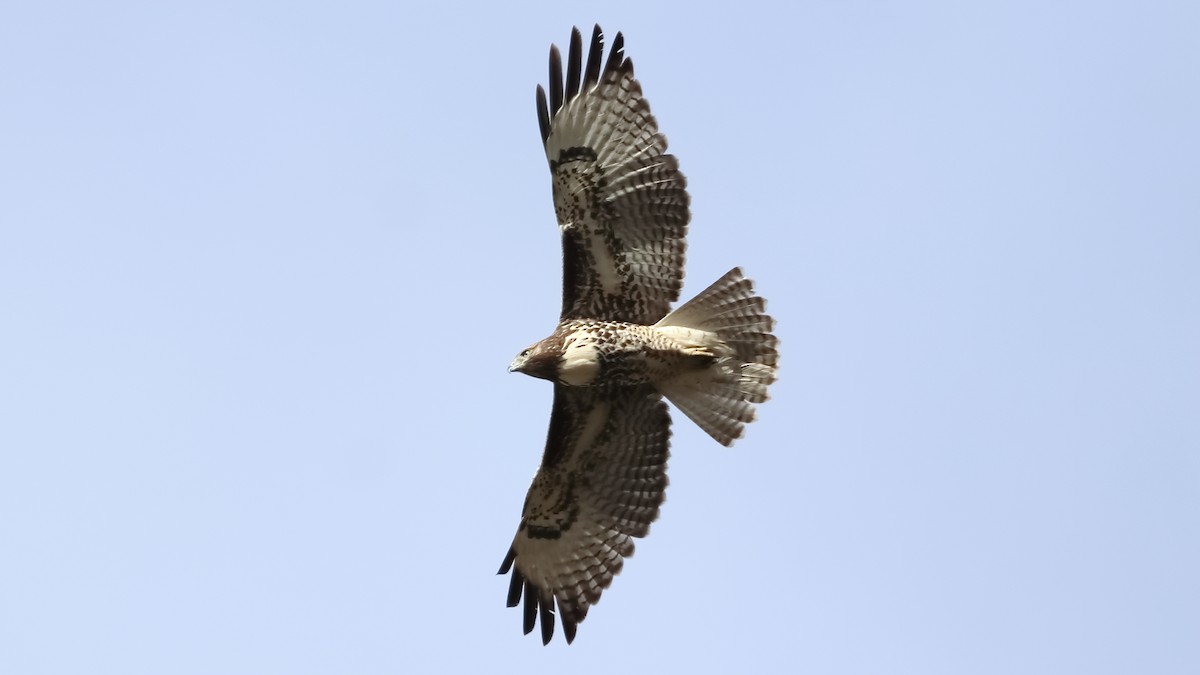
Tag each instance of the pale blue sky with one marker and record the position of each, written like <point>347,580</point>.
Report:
<point>263,266</point>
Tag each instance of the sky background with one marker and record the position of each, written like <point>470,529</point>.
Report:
<point>263,267</point>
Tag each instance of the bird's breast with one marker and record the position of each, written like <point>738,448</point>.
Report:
<point>580,361</point>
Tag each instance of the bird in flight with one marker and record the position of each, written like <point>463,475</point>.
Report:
<point>619,350</point>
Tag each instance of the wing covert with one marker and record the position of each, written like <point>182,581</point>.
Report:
<point>621,201</point>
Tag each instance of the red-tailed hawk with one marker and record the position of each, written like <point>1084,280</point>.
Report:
<point>622,208</point>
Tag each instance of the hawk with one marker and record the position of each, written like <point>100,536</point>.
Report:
<point>619,350</point>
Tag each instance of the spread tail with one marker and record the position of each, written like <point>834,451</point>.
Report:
<point>727,320</point>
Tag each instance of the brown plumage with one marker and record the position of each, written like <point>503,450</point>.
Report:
<point>622,209</point>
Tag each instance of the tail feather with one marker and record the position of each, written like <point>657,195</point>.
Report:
<point>730,321</point>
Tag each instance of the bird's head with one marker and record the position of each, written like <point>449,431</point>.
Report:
<point>540,359</point>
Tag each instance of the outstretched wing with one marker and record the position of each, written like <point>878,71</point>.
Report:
<point>602,480</point>
<point>621,202</point>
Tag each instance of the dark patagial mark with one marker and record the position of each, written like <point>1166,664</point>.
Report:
<point>574,154</point>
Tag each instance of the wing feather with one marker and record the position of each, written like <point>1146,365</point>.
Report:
<point>592,71</point>
<point>573,64</point>
<point>602,480</point>
<point>543,113</point>
<point>621,201</point>
<point>556,81</point>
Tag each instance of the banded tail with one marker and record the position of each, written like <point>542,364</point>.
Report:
<point>728,320</point>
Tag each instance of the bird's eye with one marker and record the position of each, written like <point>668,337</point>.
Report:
<point>525,352</point>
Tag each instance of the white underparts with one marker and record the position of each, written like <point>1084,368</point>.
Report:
<point>694,340</point>
<point>580,360</point>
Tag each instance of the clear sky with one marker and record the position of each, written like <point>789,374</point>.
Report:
<point>263,267</point>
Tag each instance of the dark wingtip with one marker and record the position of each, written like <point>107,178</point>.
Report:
<point>547,617</point>
<point>531,608</point>
<point>574,57</point>
<point>543,114</point>
<point>592,71</point>
<point>569,629</point>
<point>509,558</point>
<point>514,589</point>
<point>556,81</point>
<point>616,57</point>
<point>578,76</point>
